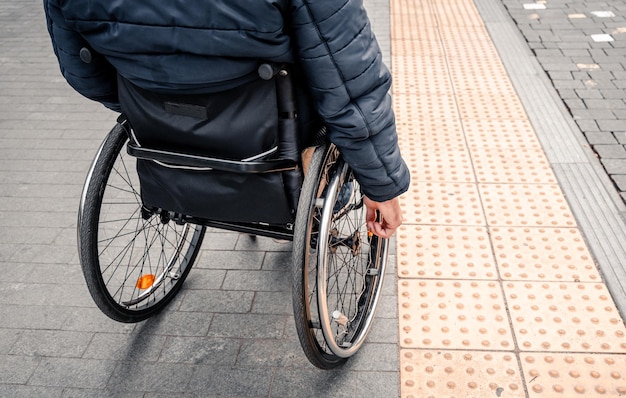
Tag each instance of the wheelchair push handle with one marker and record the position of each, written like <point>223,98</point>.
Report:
<point>287,108</point>
<point>267,71</point>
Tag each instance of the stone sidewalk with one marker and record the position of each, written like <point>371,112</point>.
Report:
<point>54,342</point>
<point>580,45</point>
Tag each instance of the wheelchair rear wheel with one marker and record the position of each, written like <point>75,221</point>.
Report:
<point>338,265</point>
<point>134,261</point>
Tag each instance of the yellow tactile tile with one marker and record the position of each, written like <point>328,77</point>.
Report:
<point>430,106</point>
<point>521,165</point>
<point>539,205</point>
<point>428,86</point>
<point>453,315</point>
<point>487,105</point>
<point>456,13</point>
<point>429,134</point>
<point>505,134</point>
<point>413,25</point>
<point>414,103</point>
<point>442,203</point>
<point>440,164</point>
<point>445,252</point>
<point>470,41</point>
<point>574,375</point>
<point>540,254</point>
<point>574,317</point>
<point>442,374</point>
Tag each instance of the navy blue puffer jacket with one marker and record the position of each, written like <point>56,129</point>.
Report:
<point>198,47</point>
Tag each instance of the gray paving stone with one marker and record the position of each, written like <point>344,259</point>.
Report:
<point>16,272</point>
<point>8,337</point>
<point>90,393</point>
<point>575,104</point>
<point>570,84</point>
<point>620,136</point>
<point>599,115</point>
<point>22,391</point>
<point>221,259</point>
<point>248,326</point>
<point>377,384</point>
<point>277,261</point>
<point>614,166</point>
<point>72,372</point>
<point>610,124</point>
<point>220,240</point>
<point>171,378</point>
<point>21,316</point>
<point>590,94</point>
<point>567,93</point>
<point>176,323</point>
<point>314,383</point>
<point>265,353</point>
<point>263,244</point>
<point>17,369</point>
<point>91,319</point>
<point>375,356</point>
<point>51,343</point>
<point>224,381</point>
<point>136,347</point>
<point>593,133</point>
<point>276,303</point>
<point>218,301</point>
<point>620,180</point>
<point>201,351</point>
<point>202,279</point>
<point>269,281</point>
<point>560,75</point>
<point>610,151</point>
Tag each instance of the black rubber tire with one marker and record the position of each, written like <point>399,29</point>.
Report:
<point>119,243</point>
<point>350,270</point>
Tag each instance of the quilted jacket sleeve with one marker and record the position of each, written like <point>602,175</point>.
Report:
<point>96,80</point>
<point>343,63</point>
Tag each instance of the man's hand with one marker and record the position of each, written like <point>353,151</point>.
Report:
<point>390,216</point>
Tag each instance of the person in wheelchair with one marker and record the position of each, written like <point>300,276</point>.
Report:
<point>198,48</point>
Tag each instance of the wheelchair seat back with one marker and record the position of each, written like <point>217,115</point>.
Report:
<point>218,156</point>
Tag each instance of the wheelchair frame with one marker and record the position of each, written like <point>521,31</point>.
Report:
<point>135,259</point>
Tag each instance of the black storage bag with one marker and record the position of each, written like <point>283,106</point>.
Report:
<point>238,124</point>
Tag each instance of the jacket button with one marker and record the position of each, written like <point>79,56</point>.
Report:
<point>85,55</point>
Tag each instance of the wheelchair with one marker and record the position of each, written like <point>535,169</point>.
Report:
<point>135,256</point>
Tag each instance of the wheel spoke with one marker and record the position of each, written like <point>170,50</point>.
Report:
<point>133,263</point>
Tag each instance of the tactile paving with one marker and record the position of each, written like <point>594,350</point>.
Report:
<point>520,165</point>
<point>440,164</point>
<point>429,134</point>
<point>498,293</point>
<point>426,83</point>
<point>442,203</point>
<point>453,315</point>
<point>506,134</point>
<point>475,374</point>
<point>488,105</point>
<point>540,254</point>
<point>573,317</point>
<point>457,13</point>
<point>539,205</point>
<point>445,252</point>
<point>430,106</point>
<point>574,375</point>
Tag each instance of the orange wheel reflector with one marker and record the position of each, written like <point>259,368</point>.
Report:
<point>370,234</point>
<point>145,281</point>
